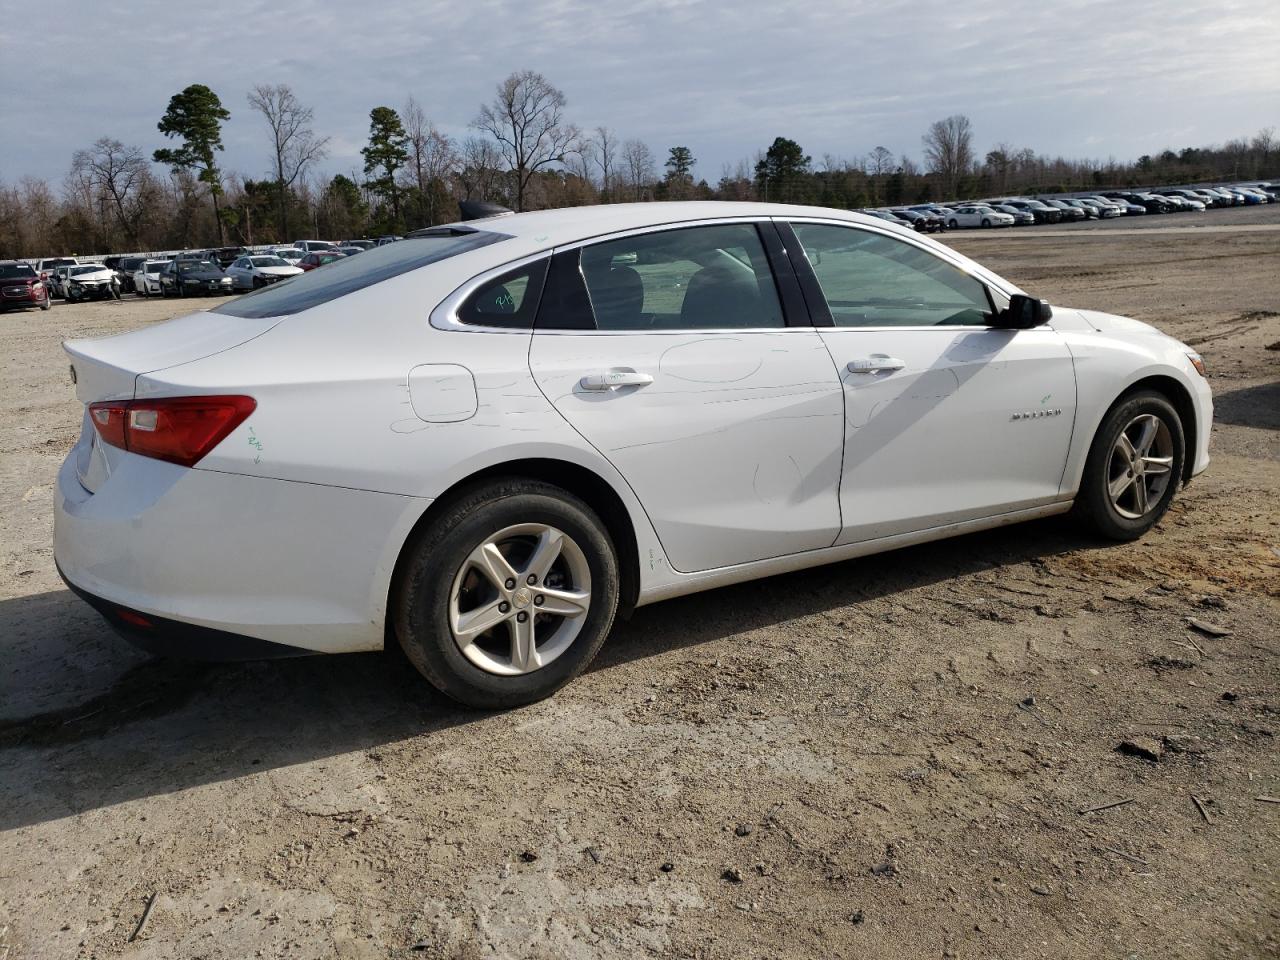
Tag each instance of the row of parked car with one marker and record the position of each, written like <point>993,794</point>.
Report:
<point>1024,211</point>
<point>220,270</point>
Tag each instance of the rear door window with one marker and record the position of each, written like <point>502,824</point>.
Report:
<point>690,278</point>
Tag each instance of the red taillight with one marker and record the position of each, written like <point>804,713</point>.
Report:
<point>180,430</point>
<point>109,419</point>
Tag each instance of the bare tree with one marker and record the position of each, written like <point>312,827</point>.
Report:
<point>478,170</point>
<point>639,167</point>
<point>294,145</point>
<point>1264,142</point>
<point>432,157</point>
<point>948,148</point>
<point>111,176</point>
<point>526,118</point>
<point>605,156</point>
<point>880,162</point>
<point>580,161</point>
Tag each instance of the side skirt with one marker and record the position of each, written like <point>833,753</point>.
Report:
<point>724,576</point>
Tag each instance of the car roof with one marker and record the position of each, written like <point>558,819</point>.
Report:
<point>570,224</point>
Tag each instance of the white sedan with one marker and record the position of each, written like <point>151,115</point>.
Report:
<point>146,280</point>
<point>259,270</point>
<point>488,439</point>
<point>978,215</point>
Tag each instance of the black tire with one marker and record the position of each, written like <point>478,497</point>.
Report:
<point>986,222</point>
<point>437,554</point>
<point>954,224</point>
<point>47,304</point>
<point>1094,503</point>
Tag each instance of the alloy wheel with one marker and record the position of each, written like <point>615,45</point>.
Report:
<point>1141,466</point>
<point>520,599</point>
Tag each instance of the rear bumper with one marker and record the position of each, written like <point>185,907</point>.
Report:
<point>237,558</point>
<point>178,640</point>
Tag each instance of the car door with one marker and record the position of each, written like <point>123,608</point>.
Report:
<point>671,353</point>
<point>946,418</point>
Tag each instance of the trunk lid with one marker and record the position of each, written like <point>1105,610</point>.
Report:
<point>108,369</point>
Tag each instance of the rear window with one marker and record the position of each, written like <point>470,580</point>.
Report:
<point>348,274</point>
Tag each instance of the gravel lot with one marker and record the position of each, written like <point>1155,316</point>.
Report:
<point>885,758</point>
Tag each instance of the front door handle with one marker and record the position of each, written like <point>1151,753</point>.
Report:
<point>876,363</point>
<point>613,379</point>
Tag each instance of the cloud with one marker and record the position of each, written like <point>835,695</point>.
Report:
<point>1077,77</point>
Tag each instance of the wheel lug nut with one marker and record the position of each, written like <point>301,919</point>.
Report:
<point>503,607</point>
<point>511,584</point>
<point>522,616</point>
<point>539,600</point>
<point>533,578</point>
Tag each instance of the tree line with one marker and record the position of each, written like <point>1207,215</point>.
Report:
<point>522,152</point>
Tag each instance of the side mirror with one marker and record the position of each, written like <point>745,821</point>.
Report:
<point>1023,313</point>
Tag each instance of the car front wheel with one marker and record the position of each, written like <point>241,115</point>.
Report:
<point>508,595</point>
<point>954,224</point>
<point>1133,467</point>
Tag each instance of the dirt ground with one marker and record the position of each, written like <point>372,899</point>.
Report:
<point>884,758</point>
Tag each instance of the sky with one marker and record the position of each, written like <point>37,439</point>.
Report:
<point>1077,78</point>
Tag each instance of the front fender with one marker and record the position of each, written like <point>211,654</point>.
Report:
<point>1109,365</point>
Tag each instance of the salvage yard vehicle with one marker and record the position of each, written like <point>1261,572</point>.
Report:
<point>259,270</point>
<point>89,281</point>
<point>146,279</point>
<point>125,268</point>
<point>318,258</point>
<point>485,441</point>
<point>48,266</point>
<point>190,278</point>
<point>978,215</point>
<point>21,287</point>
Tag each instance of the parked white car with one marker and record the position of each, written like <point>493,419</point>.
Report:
<point>146,279</point>
<point>88,281</point>
<point>291,254</point>
<point>487,439</point>
<point>312,246</point>
<point>978,216</point>
<point>259,270</point>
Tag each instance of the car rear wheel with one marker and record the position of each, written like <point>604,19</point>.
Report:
<point>1133,468</point>
<point>508,595</point>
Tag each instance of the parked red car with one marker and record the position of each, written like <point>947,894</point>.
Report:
<point>319,259</point>
<point>20,286</point>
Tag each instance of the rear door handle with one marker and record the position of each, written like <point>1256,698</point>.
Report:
<point>613,379</point>
<point>876,363</point>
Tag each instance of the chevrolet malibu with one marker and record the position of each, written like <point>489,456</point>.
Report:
<point>487,441</point>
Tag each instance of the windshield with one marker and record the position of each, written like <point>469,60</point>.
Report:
<point>14,271</point>
<point>349,274</point>
<point>155,266</point>
<point>268,262</point>
<point>91,268</point>
<point>191,266</point>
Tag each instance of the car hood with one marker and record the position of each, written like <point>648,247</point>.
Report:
<point>280,271</point>
<point>1113,323</point>
<point>104,274</point>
